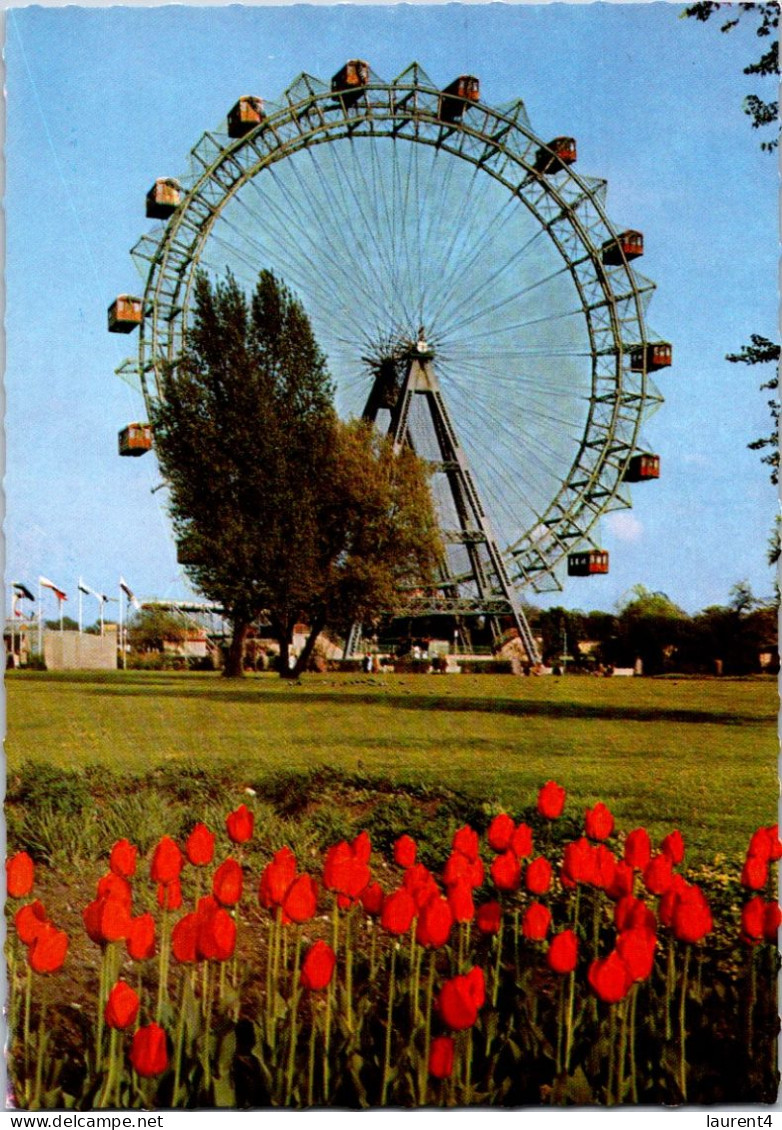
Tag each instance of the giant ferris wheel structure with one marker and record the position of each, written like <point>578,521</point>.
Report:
<point>471,295</point>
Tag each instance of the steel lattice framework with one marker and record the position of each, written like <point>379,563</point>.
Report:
<point>232,201</point>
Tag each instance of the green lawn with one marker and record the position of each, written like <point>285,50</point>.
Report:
<point>697,754</point>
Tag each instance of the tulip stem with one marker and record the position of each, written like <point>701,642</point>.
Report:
<point>180,1033</point>
<point>497,961</point>
<point>105,1098</point>
<point>560,1025</point>
<point>41,1049</point>
<point>28,996</point>
<point>349,970</point>
<point>571,993</point>
<point>751,996</point>
<point>293,1020</point>
<point>683,1027</point>
<point>311,1063</point>
<point>163,962</point>
<point>423,1065</point>
<point>670,985</point>
<point>389,1026</point>
<point>611,1053</point>
<point>633,1003</point>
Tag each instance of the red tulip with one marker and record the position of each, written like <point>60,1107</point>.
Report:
<point>301,899</point>
<point>500,832</point>
<point>107,919</point>
<point>29,921</point>
<point>638,849</point>
<point>536,921</point>
<point>398,912</point>
<point>441,1057</point>
<point>362,847</point>
<point>755,872</point>
<point>169,895</point>
<point>521,841</point>
<point>405,850</point>
<point>166,861</point>
<point>752,918</point>
<point>667,903</point>
<point>140,941</point>
<point>466,842</point>
<point>632,913</point>
<point>461,902</point>
<point>434,923</point>
<point>372,899</point>
<point>48,950</point>
<point>227,882</point>
<point>148,1053</point>
<point>216,938</point>
<point>418,880</point>
<point>673,846</point>
<point>551,800</point>
<point>598,822</point>
<point>276,877</point>
<point>610,978</point>
<point>318,966</point>
<point>506,871</point>
<point>488,917</point>
<point>346,871</point>
<point>122,859</point>
<point>605,867</point>
<point>622,883</point>
<point>636,948</point>
<point>537,878</point>
<point>113,885</point>
<point>578,862</point>
<point>460,999</point>
<point>200,846</point>
<point>122,1006</point>
<point>239,824</point>
<point>20,875</point>
<point>692,919</point>
<point>658,874</point>
<point>184,939</point>
<point>459,867</point>
<point>772,920</point>
<point>563,952</point>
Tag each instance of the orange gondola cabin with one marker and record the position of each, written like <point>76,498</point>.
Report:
<point>457,96</point>
<point>163,198</point>
<point>625,246</point>
<point>125,313</point>
<point>350,80</point>
<point>245,115</point>
<point>655,355</point>
<point>135,439</point>
<point>642,467</point>
<point>559,152</point>
<point>587,563</point>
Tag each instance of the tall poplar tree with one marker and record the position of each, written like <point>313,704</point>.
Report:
<point>281,509</point>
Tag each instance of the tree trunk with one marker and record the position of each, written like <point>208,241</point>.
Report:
<point>306,651</point>
<point>234,660</point>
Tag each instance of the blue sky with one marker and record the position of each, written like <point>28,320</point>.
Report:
<point>101,101</point>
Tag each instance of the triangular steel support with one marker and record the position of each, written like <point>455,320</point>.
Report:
<point>492,594</point>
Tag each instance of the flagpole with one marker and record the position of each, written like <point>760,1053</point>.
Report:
<point>40,621</point>
<point>80,591</point>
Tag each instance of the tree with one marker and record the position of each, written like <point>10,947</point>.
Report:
<point>277,505</point>
<point>650,627</point>
<point>763,112</point>
<point>151,628</point>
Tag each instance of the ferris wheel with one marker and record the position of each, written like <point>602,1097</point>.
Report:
<point>468,289</point>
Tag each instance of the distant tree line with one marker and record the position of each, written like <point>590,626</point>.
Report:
<point>649,627</point>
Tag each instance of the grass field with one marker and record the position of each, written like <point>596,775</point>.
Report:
<point>700,755</point>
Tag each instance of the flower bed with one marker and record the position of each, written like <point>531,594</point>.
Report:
<point>527,968</point>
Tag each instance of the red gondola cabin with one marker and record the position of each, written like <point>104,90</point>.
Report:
<point>558,153</point>
<point>163,198</point>
<point>135,439</point>
<point>245,115</point>
<point>627,245</point>
<point>125,313</point>
<point>587,563</point>
<point>656,355</point>
<point>457,96</point>
<point>642,467</point>
<point>350,81</point>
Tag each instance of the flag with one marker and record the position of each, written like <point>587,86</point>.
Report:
<point>91,592</point>
<point>123,584</point>
<point>85,589</point>
<point>23,590</point>
<point>51,585</point>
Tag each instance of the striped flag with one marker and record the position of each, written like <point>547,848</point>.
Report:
<point>23,590</point>
<point>47,584</point>
<point>123,584</point>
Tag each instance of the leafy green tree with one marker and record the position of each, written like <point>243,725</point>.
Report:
<point>151,628</point>
<point>765,17</point>
<point>649,627</point>
<point>278,506</point>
